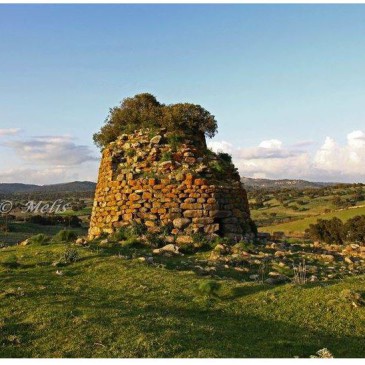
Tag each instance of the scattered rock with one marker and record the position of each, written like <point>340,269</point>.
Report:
<point>81,241</point>
<point>242,269</point>
<point>328,258</point>
<point>156,139</point>
<point>313,278</point>
<point>279,279</point>
<point>24,243</point>
<point>280,254</point>
<point>170,249</point>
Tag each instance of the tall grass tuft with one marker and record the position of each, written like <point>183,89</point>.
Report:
<point>300,273</point>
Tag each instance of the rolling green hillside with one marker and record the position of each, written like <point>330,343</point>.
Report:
<point>75,186</point>
<point>113,304</point>
<point>293,210</point>
<point>302,224</point>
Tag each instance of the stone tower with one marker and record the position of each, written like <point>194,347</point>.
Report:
<point>162,179</point>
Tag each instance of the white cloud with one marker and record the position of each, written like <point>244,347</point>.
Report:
<point>221,146</point>
<point>271,159</point>
<point>49,175</point>
<point>271,144</point>
<point>347,160</point>
<point>47,160</point>
<point>52,150</point>
<point>9,131</point>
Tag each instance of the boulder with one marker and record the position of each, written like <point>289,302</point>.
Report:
<point>328,258</point>
<point>156,139</point>
<point>170,248</point>
<point>313,278</point>
<point>181,223</point>
<point>80,241</point>
<point>348,260</point>
<point>278,279</point>
<point>184,239</point>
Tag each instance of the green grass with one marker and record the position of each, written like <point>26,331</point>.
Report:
<point>302,224</point>
<point>275,213</point>
<point>82,212</point>
<point>23,230</point>
<point>106,305</point>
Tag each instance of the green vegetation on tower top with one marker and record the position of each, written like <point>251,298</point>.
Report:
<point>144,111</point>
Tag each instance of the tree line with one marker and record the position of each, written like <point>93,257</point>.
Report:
<point>335,231</point>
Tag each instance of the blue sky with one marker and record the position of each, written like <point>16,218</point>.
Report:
<point>285,82</point>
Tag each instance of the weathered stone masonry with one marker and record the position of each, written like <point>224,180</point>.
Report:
<point>150,180</point>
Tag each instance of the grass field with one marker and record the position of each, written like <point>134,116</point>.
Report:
<point>302,224</point>
<point>111,305</point>
<point>19,231</point>
<point>280,208</point>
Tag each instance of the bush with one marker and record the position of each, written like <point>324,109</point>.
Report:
<point>187,248</point>
<point>334,231</point>
<point>328,231</point>
<point>226,157</point>
<point>133,231</point>
<point>137,229</point>
<point>355,229</point>
<point>243,246</point>
<point>217,167</point>
<point>166,156</point>
<point>69,221</point>
<point>131,242</point>
<point>155,239</point>
<point>353,297</point>
<point>65,235</point>
<point>200,240</point>
<point>39,239</point>
<point>175,140</point>
<point>209,287</point>
<point>119,235</point>
<point>220,240</point>
<point>144,111</point>
<point>69,256</point>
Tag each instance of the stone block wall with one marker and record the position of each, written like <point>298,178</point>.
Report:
<point>145,177</point>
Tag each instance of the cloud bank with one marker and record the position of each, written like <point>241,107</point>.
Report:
<point>9,131</point>
<point>330,162</point>
<point>53,159</point>
<point>49,160</point>
<point>54,150</point>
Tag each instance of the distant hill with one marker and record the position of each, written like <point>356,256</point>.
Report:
<point>284,183</point>
<point>75,186</point>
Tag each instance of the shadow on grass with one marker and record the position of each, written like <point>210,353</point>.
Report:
<point>126,322</point>
<point>165,330</point>
<point>15,336</point>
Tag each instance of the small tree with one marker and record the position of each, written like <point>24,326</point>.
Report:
<point>143,110</point>
<point>189,117</point>
<point>328,231</point>
<point>355,229</point>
